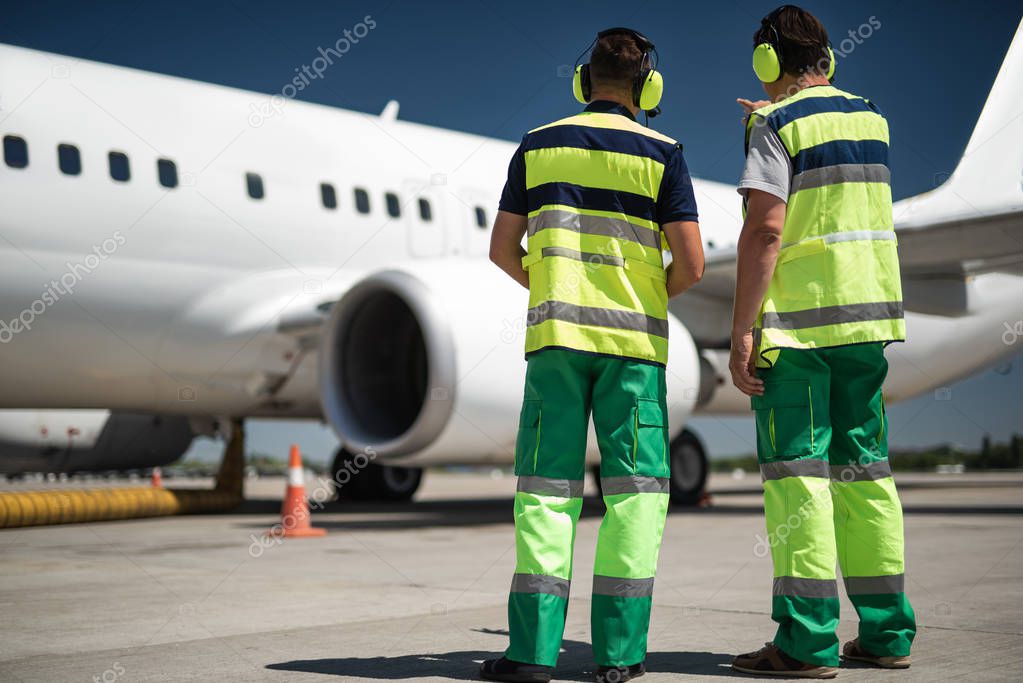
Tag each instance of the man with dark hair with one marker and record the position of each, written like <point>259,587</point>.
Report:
<point>596,193</point>
<point>801,36</point>
<point>615,62</point>
<point>817,298</point>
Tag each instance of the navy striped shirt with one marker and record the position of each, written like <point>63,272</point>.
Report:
<point>675,200</point>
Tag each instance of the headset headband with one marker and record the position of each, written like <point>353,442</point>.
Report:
<point>768,22</point>
<point>648,85</point>
<point>643,43</point>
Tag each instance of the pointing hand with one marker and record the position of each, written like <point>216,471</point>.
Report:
<point>749,106</point>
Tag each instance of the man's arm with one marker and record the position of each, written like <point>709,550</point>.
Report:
<point>510,225</point>
<point>686,267</point>
<point>678,218</point>
<point>506,245</point>
<point>759,244</point>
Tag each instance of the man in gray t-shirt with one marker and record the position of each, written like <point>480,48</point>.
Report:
<point>768,165</point>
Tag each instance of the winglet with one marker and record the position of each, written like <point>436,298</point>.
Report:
<point>390,112</point>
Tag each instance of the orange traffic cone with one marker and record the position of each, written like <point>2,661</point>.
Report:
<point>157,478</point>
<point>295,510</point>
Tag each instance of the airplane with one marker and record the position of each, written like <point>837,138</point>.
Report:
<point>176,254</point>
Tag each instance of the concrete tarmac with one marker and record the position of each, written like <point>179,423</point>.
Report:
<point>417,592</point>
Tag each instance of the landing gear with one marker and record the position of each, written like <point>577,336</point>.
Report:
<point>688,469</point>
<point>394,483</point>
<point>355,478</point>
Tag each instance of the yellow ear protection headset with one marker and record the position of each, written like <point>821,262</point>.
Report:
<point>768,58</point>
<point>647,88</point>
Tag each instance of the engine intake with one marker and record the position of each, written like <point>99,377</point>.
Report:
<point>387,365</point>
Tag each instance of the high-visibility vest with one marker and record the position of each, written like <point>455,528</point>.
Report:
<point>837,280</point>
<point>594,256</point>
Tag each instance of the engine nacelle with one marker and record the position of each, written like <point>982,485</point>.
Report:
<point>89,440</point>
<point>427,360</point>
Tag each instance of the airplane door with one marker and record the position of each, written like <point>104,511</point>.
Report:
<point>476,209</point>
<point>425,224</point>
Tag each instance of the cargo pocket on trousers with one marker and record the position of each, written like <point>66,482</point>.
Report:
<point>650,458</point>
<point>527,443</point>
<point>784,420</point>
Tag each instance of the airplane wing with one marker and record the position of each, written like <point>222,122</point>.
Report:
<point>962,246</point>
<point>937,261</point>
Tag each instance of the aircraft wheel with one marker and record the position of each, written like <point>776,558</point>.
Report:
<point>373,481</point>
<point>350,482</point>
<point>688,469</point>
<point>391,483</point>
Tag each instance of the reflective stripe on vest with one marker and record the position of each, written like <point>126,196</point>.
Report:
<point>596,270</point>
<point>837,278</point>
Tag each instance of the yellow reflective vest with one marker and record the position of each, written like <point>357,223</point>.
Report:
<point>594,256</point>
<point>837,278</point>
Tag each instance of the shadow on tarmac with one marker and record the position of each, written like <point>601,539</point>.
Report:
<point>399,516</point>
<point>486,511</point>
<point>574,664</point>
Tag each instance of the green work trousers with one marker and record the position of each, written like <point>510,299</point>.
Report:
<point>822,444</point>
<point>627,401</point>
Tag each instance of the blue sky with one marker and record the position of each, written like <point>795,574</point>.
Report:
<point>496,69</point>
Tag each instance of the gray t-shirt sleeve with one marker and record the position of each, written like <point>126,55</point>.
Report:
<point>768,165</point>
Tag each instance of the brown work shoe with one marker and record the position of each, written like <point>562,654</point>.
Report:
<point>770,661</point>
<point>853,650</point>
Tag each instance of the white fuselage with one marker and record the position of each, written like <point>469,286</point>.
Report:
<point>176,300</point>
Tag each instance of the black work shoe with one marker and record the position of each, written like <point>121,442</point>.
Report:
<point>771,661</point>
<point>618,674</point>
<point>504,669</point>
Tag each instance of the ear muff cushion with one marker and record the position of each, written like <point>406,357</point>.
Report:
<point>577,84</point>
<point>831,63</point>
<point>653,89</point>
<point>766,64</point>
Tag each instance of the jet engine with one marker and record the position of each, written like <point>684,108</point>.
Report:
<point>89,440</point>
<point>423,364</point>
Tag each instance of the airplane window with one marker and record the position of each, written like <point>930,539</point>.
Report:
<point>481,217</point>
<point>425,210</point>
<point>167,172</point>
<point>15,151</point>
<point>254,182</point>
<point>69,160</point>
<point>393,205</point>
<point>328,195</point>
<point>120,169</point>
<point>361,200</point>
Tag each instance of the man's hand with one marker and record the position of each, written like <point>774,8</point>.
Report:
<point>750,106</point>
<point>686,245</point>
<point>742,365</point>
<point>506,245</point>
